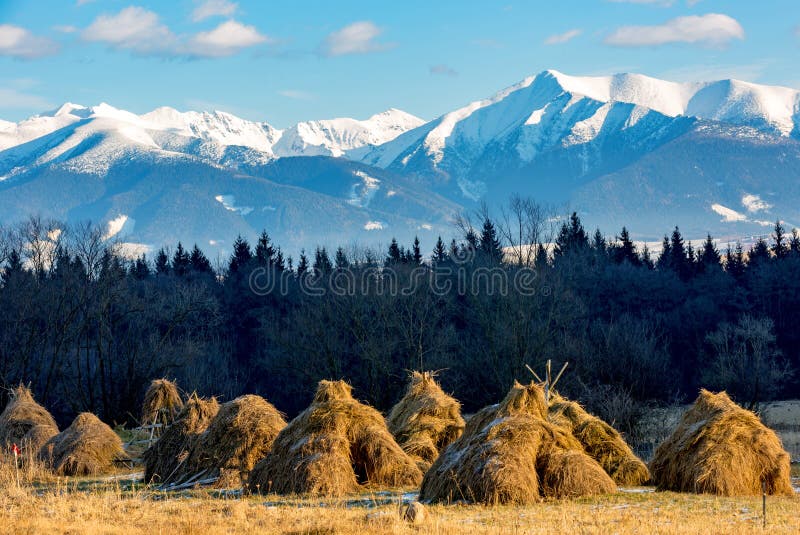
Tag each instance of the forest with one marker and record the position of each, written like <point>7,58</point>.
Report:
<point>88,327</point>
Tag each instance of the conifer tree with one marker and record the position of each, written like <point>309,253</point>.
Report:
<point>322,262</point>
<point>647,260</point>
<point>198,261</point>
<point>679,261</point>
<point>416,254</point>
<point>734,263</point>
<point>439,251</point>
<point>162,262</point>
<point>340,259</point>
<point>758,253</point>
<point>489,244</point>
<point>709,257</point>
<point>13,266</point>
<point>280,263</point>
<point>794,243</point>
<point>625,250</point>
<point>265,252</point>
<point>302,264</point>
<point>241,255</point>
<point>180,261</point>
<point>571,238</point>
<point>140,269</point>
<point>780,247</point>
<point>395,254</point>
<point>540,260</point>
<point>665,258</point>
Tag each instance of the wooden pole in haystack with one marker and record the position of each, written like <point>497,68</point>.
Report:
<point>764,504</point>
<point>15,449</point>
<point>549,382</point>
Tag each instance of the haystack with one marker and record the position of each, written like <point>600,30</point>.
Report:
<point>162,403</point>
<point>510,454</point>
<point>426,420</point>
<point>163,458</point>
<point>25,423</point>
<point>241,433</point>
<point>86,447</point>
<point>336,446</point>
<point>721,448</point>
<point>601,442</point>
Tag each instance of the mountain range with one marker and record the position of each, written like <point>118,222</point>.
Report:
<point>720,157</point>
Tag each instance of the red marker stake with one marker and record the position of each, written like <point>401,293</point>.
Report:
<point>15,449</point>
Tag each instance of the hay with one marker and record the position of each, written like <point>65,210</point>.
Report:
<point>335,447</point>
<point>601,442</point>
<point>25,423</point>
<point>86,447</point>
<point>241,433</point>
<point>162,459</point>
<point>162,403</point>
<point>510,454</point>
<point>426,420</point>
<point>720,448</point>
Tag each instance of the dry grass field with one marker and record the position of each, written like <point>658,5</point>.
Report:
<point>41,504</point>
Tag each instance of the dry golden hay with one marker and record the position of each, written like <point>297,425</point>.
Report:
<point>25,423</point>
<point>162,459</point>
<point>162,403</point>
<point>602,442</point>
<point>241,433</point>
<point>335,447</point>
<point>510,454</point>
<point>86,447</point>
<point>721,448</point>
<point>426,420</point>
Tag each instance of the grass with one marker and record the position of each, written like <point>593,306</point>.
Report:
<point>121,505</point>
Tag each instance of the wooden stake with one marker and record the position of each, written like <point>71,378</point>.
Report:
<point>534,374</point>
<point>764,504</point>
<point>564,367</point>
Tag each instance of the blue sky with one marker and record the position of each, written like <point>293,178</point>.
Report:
<point>285,62</point>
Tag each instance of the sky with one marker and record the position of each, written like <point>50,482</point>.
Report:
<point>284,62</point>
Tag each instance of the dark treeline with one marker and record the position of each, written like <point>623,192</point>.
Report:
<point>89,329</point>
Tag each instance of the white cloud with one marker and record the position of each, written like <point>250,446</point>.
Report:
<point>443,70</point>
<point>65,28</point>
<point>373,225</point>
<point>141,31</point>
<point>20,43</point>
<point>712,29</point>
<point>13,99</point>
<point>754,203</point>
<point>563,37</point>
<point>357,38</point>
<point>728,215</point>
<point>225,40</point>
<point>134,28</point>
<point>214,8</point>
<point>295,94</point>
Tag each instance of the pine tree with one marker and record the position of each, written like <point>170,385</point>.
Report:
<point>302,265</point>
<point>341,260</point>
<point>664,261</point>
<point>647,260</point>
<point>280,263</point>
<point>140,268</point>
<point>470,243</point>
<point>625,250</point>
<point>758,253</point>
<point>540,260</point>
<point>780,247</point>
<point>241,255</point>
<point>13,266</point>
<point>571,238</point>
<point>322,262</point>
<point>454,252</point>
<point>709,257</point>
<point>599,242</point>
<point>734,263</point>
<point>395,254</point>
<point>416,254</point>
<point>265,252</point>
<point>439,252</point>
<point>162,262</point>
<point>198,262</point>
<point>489,245</point>
<point>180,261</point>
<point>678,257</point>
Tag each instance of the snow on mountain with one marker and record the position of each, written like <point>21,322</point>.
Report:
<point>553,111</point>
<point>335,137</point>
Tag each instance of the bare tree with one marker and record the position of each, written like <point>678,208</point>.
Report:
<point>524,224</point>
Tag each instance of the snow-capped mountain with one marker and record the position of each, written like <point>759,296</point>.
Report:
<point>720,157</point>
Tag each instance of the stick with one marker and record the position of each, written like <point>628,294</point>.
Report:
<point>564,367</point>
<point>764,504</point>
<point>534,374</point>
<point>16,464</point>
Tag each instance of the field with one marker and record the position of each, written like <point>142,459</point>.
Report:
<point>121,505</point>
